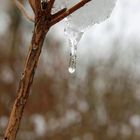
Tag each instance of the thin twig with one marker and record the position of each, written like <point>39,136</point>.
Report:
<point>59,13</point>
<point>50,5</point>
<point>22,9</point>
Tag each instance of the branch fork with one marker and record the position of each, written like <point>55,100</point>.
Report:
<point>52,18</point>
<point>43,21</point>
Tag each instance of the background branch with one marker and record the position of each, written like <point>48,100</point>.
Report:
<point>23,10</point>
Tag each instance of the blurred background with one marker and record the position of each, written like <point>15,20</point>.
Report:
<point>101,101</point>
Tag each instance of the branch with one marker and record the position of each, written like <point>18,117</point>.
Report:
<point>61,16</point>
<point>25,82</point>
<point>50,5</point>
<point>41,28</point>
<point>23,11</point>
<point>59,13</point>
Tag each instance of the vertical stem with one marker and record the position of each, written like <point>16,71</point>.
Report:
<point>25,83</point>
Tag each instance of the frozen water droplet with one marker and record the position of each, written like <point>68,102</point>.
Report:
<point>71,70</point>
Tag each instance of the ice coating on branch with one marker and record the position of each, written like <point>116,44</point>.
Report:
<point>94,11</point>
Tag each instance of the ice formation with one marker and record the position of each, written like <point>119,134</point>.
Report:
<point>93,12</point>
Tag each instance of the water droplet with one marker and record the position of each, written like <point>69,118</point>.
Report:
<point>71,70</point>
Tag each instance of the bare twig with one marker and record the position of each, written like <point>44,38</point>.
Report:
<point>51,3</point>
<point>43,22</point>
<point>22,9</point>
<point>58,13</point>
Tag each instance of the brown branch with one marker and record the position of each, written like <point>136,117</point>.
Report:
<point>50,5</point>
<point>69,11</point>
<point>42,26</point>
<point>59,13</point>
<point>25,83</point>
<point>27,77</point>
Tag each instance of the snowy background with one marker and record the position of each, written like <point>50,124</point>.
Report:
<point>100,101</point>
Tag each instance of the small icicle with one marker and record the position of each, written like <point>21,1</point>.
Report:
<point>73,56</point>
<point>74,40</point>
<point>74,37</point>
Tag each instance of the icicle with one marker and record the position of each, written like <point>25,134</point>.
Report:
<point>74,37</point>
<point>81,20</point>
<point>73,56</point>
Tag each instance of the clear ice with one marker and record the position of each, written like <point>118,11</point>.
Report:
<point>74,37</point>
<point>93,12</point>
<point>73,55</point>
